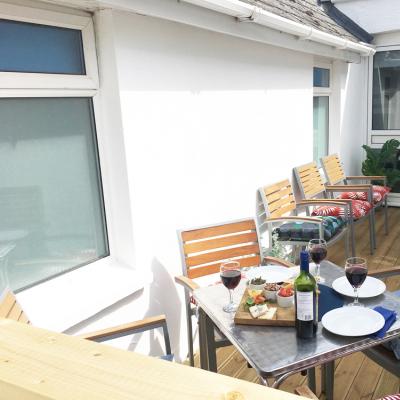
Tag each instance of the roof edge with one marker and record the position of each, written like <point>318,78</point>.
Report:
<point>246,12</point>
<point>345,22</point>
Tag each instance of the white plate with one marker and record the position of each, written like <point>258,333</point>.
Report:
<point>370,288</point>
<point>353,321</point>
<point>271,273</point>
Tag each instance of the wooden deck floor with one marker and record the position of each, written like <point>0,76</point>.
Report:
<point>356,377</point>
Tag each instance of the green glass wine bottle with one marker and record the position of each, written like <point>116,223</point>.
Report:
<point>305,288</point>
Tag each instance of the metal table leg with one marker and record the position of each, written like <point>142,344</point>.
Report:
<point>203,340</point>
<point>208,356</point>
<point>328,375</point>
<point>311,379</point>
<point>211,348</point>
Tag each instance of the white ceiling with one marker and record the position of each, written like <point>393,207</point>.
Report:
<point>375,16</point>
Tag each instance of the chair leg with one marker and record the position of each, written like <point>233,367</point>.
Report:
<point>386,217</point>
<point>189,331</point>
<point>346,244</point>
<point>371,233</point>
<point>353,240</point>
<point>374,227</point>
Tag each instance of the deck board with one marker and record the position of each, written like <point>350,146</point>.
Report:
<point>356,377</point>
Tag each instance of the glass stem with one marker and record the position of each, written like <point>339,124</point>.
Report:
<point>355,295</point>
<point>317,266</point>
<point>230,296</point>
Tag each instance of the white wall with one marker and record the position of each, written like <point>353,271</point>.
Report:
<point>207,119</point>
<point>349,110</point>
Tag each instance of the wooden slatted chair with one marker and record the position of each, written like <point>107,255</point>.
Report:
<point>11,309</point>
<point>335,175</point>
<point>277,212</point>
<point>204,249</point>
<point>312,187</point>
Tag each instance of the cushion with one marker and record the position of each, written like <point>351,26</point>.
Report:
<point>391,397</point>
<point>305,231</point>
<point>360,209</point>
<point>379,193</point>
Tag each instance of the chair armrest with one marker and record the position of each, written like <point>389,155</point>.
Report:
<point>325,202</point>
<point>367,178</point>
<point>306,392</point>
<point>279,261</point>
<point>295,218</point>
<point>385,273</point>
<point>187,283</point>
<point>125,329</point>
<point>347,188</point>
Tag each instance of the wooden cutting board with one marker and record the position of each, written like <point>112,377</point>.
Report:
<point>282,317</point>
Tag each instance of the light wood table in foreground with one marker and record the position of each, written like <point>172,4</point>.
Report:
<point>36,364</point>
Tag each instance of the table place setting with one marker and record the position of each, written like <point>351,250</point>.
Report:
<point>269,296</point>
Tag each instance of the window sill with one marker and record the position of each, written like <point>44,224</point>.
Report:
<point>62,302</point>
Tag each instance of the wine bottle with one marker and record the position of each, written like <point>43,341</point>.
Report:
<point>305,288</point>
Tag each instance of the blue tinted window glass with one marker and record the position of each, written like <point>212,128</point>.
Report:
<point>26,47</point>
<point>321,77</point>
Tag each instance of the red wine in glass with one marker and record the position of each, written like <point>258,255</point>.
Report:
<point>318,254</point>
<point>231,279</point>
<point>230,276</point>
<point>356,273</point>
<point>318,251</point>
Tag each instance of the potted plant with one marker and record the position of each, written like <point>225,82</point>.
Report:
<point>384,161</point>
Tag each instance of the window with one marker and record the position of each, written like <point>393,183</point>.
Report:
<point>386,90</point>
<point>321,83</point>
<point>321,77</point>
<point>40,48</point>
<point>51,199</point>
<point>51,204</point>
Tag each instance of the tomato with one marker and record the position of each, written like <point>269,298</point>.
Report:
<point>259,299</point>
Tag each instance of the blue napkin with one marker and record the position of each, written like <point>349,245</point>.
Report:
<point>390,318</point>
<point>328,300</point>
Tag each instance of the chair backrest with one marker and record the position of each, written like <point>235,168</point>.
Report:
<point>309,180</point>
<point>278,199</point>
<point>333,169</point>
<point>10,308</point>
<point>204,249</point>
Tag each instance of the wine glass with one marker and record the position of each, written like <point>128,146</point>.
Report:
<point>230,276</point>
<point>356,272</point>
<point>318,251</point>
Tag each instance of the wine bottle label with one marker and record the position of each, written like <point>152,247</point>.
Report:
<point>305,306</point>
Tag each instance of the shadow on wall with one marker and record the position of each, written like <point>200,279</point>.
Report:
<point>163,299</point>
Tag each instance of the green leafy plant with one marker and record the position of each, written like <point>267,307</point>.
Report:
<point>279,250</point>
<point>383,162</point>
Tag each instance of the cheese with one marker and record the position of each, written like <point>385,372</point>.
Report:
<point>258,310</point>
<point>270,314</point>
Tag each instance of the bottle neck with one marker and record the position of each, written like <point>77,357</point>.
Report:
<point>305,268</point>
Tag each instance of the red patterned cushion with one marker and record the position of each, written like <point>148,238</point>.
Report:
<point>391,397</point>
<point>379,192</point>
<point>360,209</point>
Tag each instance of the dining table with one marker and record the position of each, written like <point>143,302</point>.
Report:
<point>275,352</point>
<point>38,364</point>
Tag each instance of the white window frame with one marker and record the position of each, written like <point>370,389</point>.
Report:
<point>326,92</point>
<point>20,80</point>
<point>101,283</point>
<point>376,138</point>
